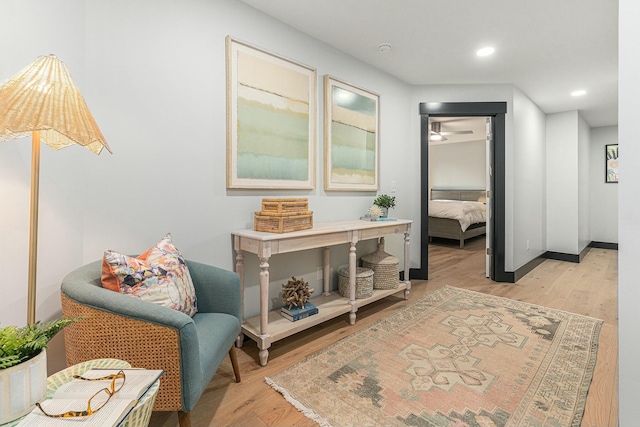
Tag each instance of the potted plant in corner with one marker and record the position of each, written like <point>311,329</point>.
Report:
<point>385,202</point>
<point>23,359</point>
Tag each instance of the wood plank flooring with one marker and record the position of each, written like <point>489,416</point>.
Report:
<point>588,288</point>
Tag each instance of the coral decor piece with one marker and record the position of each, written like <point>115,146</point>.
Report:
<point>375,212</point>
<point>296,292</point>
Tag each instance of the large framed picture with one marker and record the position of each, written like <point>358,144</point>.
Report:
<point>271,120</point>
<point>611,167</point>
<point>351,132</point>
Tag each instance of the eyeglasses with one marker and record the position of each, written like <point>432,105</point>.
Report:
<point>98,400</point>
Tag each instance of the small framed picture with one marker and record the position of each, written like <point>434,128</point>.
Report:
<point>611,165</point>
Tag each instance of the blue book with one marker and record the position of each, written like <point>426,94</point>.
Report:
<point>299,316</point>
<point>308,306</point>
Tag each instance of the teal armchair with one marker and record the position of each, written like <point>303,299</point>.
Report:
<point>150,336</point>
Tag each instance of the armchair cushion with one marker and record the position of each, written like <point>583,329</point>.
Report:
<point>160,275</point>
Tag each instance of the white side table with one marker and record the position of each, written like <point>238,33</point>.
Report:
<point>139,415</point>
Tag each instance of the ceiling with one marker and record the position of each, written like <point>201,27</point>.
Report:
<point>546,48</point>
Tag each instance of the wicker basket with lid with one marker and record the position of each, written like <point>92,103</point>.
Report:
<point>384,266</point>
<point>364,282</point>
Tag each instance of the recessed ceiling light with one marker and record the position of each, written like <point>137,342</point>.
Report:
<point>578,92</point>
<point>485,51</point>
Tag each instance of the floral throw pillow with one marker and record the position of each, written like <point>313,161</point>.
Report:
<point>160,275</point>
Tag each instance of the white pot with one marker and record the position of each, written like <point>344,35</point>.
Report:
<point>21,386</point>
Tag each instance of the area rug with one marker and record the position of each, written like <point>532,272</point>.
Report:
<point>453,358</point>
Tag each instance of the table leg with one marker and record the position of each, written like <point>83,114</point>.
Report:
<point>326,270</point>
<point>407,266</point>
<point>263,345</point>
<point>352,282</point>
<point>240,271</point>
<point>264,310</point>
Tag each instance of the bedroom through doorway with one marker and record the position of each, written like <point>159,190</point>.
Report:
<point>458,183</point>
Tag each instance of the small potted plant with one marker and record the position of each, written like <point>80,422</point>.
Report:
<point>385,202</point>
<point>22,349</point>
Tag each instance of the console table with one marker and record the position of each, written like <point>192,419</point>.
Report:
<point>269,326</point>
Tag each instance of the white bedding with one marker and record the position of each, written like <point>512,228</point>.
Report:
<point>466,213</point>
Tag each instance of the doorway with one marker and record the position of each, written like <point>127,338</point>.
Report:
<point>497,111</point>
<point>459,170</point>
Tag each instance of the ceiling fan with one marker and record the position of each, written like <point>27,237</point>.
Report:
<point>437,134</point>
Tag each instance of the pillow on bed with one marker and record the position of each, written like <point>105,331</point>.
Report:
<point>483,199</point>
<point>160,275</point>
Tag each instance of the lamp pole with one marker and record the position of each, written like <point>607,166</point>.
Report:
<point>33,227</point>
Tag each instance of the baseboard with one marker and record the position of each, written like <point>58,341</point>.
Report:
<point>604,245</point>
<point>522,271</point>
<point>560,256</point>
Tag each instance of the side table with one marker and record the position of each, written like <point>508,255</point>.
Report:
<point>139,415</point>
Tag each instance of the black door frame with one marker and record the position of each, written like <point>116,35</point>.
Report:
<point>497,110</point>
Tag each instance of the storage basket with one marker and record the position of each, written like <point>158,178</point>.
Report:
<point>274,222</point>
<point>384,267</point>
<point>287,205</point>
<point>364,282</point>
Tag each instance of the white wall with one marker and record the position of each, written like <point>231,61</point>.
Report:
<point>458,165</point>
<point>529,179</point>
<point>568,183</point>
<point>153,75</point>
<point>604,197</point>
<point>562,182</point>
<point>584,184</point>
<point>629,206</point>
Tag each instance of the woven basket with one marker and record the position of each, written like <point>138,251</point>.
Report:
<point>289,205</point>
<point>384,266</point>
<point>276,222</point>
<point>364,282</point>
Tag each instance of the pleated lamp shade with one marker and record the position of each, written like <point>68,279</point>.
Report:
<point>43,97</point>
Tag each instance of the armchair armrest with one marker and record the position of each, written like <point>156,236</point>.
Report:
<point>217,290</point>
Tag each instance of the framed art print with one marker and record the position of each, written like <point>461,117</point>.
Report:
<point>611,167</point>
<point>271,120</point>
<point>351,132</point>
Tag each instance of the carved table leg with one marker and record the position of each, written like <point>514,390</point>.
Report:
<point>352,282</point>
<point>240,271</point>
<point>407,266</point>
<point>265,341</point>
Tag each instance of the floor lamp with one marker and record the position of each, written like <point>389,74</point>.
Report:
<point>43,101</point>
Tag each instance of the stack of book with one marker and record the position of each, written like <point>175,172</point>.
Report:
<point>298,313</point>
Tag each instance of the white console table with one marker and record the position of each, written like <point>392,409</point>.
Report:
<point>269,326</point>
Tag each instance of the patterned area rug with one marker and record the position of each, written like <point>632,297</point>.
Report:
<point>454,358</point>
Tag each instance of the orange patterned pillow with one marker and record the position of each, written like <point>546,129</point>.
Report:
<point>160,275</point>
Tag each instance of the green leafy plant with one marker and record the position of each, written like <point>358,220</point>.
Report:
<point>20,344</point>
<point>385,201</point>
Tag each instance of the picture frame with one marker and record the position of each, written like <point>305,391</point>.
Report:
<point>271,119</point>
<point>352,135</point>
<point>611,164</point>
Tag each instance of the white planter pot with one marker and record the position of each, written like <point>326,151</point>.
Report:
<point>21,386</point>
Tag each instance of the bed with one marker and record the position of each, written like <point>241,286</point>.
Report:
<point>457,214</point>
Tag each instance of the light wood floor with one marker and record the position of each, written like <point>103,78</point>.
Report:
<point>588,288</point>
